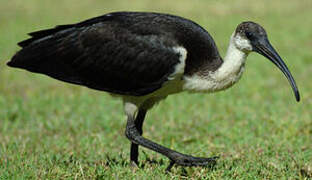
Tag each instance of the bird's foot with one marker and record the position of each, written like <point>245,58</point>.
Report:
<point>134,164</point>
<point>187,160</point>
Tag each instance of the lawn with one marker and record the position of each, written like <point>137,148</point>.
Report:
<point>53,130</point>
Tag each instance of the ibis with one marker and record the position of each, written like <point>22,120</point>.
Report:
<point>143,57</point>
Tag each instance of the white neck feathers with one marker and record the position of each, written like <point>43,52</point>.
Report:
<point>227,74</point>
<point>233,64</point>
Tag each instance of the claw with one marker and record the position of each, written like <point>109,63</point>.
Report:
<point>194,161</point>
<point>134,164</point>
<point>210,162</point>
<point>168,169</point>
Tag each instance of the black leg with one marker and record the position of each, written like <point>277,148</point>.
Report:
<point>134,151</point>
<point>133,134</point>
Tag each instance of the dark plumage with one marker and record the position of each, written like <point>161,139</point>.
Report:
<point>125,52</point>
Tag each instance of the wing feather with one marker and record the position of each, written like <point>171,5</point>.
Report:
<point>104,56</point>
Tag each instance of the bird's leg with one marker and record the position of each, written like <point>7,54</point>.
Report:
<point>133,134</point>
<point>134,151</point>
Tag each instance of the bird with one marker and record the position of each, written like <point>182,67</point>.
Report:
<point>141,58</point>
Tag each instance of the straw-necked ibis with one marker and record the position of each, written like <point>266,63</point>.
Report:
<point>143,58</point>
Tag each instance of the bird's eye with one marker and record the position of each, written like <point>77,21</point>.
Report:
<point>248,34</point>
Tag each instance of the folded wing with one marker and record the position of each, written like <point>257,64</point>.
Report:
<point>103,55</point>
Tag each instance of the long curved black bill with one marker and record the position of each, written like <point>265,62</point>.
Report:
<point>265,48</point>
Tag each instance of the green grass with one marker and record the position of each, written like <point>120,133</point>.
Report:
<point>53,130</point>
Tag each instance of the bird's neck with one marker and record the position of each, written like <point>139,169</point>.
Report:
<point>224,77</point>
<point>233,65</point>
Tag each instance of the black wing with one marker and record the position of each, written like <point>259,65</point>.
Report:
<point>107,53</point>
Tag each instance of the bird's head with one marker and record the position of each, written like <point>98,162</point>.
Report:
<point>251,37</point>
